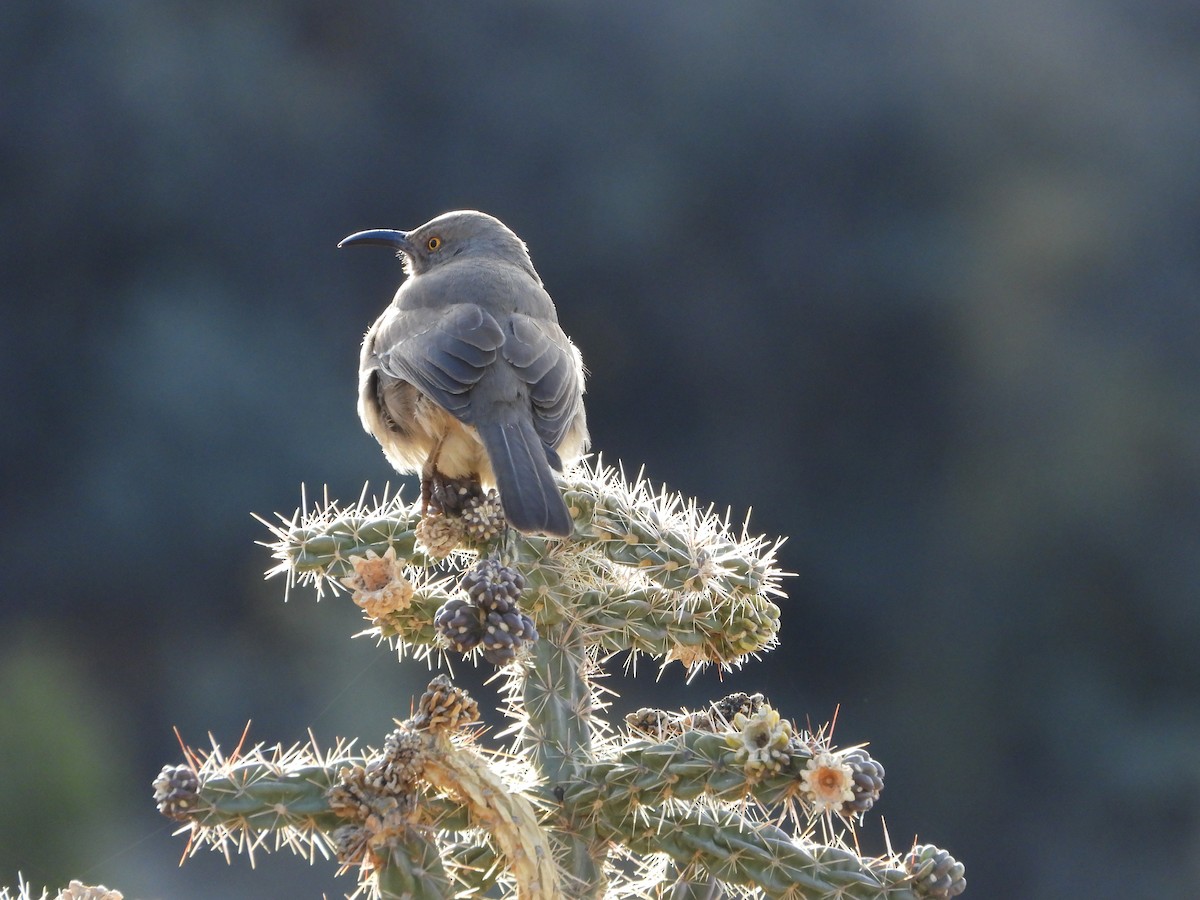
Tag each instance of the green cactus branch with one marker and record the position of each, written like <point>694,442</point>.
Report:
<point>737,850</point>
<point>410,868</point>
<point>555,733</point>
<point>645,572</point>
<point>693,765</point>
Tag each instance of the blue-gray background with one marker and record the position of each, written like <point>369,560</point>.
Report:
<point>916,281</point>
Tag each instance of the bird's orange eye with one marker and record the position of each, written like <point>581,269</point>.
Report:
<point>433,243</point>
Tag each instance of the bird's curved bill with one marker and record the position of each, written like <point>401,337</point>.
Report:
<point>384,237</point>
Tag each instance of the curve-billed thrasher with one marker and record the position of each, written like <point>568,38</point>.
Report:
<point>467,374</point>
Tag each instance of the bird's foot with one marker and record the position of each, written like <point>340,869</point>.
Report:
<point>448,496</point>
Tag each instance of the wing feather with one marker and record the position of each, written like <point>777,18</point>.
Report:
<point>443,352</point>
<point>548,364</point>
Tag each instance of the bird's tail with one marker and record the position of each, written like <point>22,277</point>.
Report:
<point>531,499</point>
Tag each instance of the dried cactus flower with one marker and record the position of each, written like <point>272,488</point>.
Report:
<point>378,583</point>
<point>350,844</point>
<point>440,534</point>
<point>77,890</point>
<point>654,723</point>
<point>444,707</point>
<point>728,707</point>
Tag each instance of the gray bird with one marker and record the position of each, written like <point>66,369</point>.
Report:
<point>467,375</point>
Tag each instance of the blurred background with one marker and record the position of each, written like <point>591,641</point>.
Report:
<point>918,282</point>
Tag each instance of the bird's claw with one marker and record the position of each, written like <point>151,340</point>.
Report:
<point>448,496</point>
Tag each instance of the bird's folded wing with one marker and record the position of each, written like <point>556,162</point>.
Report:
<point>545,360</point>
<point>443,352</point>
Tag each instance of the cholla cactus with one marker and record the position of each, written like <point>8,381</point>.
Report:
<point>690,802</point>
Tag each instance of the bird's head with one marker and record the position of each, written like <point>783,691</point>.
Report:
<point>462,234</point>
